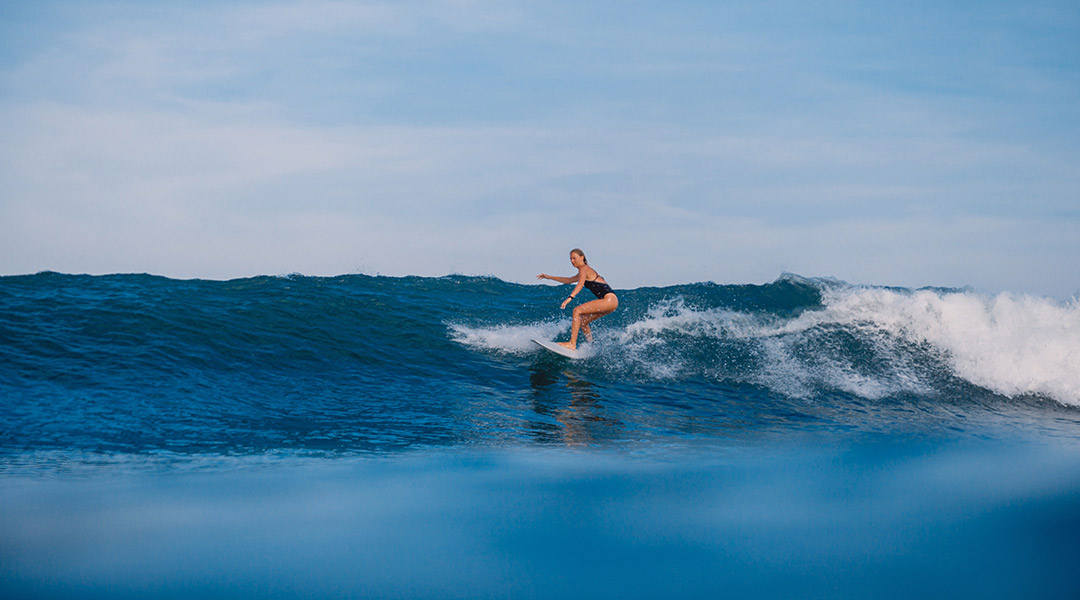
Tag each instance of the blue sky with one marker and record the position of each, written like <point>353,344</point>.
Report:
<point>915,143</point>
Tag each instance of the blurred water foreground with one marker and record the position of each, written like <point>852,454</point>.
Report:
<point>807,520</point>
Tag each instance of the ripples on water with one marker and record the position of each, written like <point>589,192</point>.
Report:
<point>382,437</point>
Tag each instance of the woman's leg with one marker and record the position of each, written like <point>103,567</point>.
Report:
<point>585,320</point>
<point>594,309</point>
<point>585,327</point>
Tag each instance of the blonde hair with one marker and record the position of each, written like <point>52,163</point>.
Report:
<point>579,252</point>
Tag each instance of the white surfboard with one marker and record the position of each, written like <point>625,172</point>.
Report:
<point>562,350</point>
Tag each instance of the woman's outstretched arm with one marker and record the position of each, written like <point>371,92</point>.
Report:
<point>567,280</point>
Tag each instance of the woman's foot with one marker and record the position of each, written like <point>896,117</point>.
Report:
<point>568,345</point>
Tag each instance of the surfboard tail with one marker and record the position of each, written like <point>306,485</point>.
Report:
<point>561,350</point>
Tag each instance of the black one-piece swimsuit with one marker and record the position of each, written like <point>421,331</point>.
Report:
<point>599,288</point>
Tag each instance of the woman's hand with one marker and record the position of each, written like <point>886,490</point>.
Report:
<point>564,303</point>
<point>542,276</point>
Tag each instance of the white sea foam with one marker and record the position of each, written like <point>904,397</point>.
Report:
<point>673,315</point>
<point>1009,344</point>
<point>1012,345</point>
<point>511,339</point>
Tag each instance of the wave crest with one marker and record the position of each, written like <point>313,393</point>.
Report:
<point>1012,345</point>
<point>870,342</point>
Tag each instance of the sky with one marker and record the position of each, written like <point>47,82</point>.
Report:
<point>919,143</point>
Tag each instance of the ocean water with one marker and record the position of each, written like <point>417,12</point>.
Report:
<point>379,437</point>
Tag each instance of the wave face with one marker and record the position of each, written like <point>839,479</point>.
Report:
<point>137,363</point>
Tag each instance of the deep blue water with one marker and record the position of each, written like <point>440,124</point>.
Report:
<point>363,436</point>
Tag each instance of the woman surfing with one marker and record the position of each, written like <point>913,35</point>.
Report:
<point>606,300</point>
